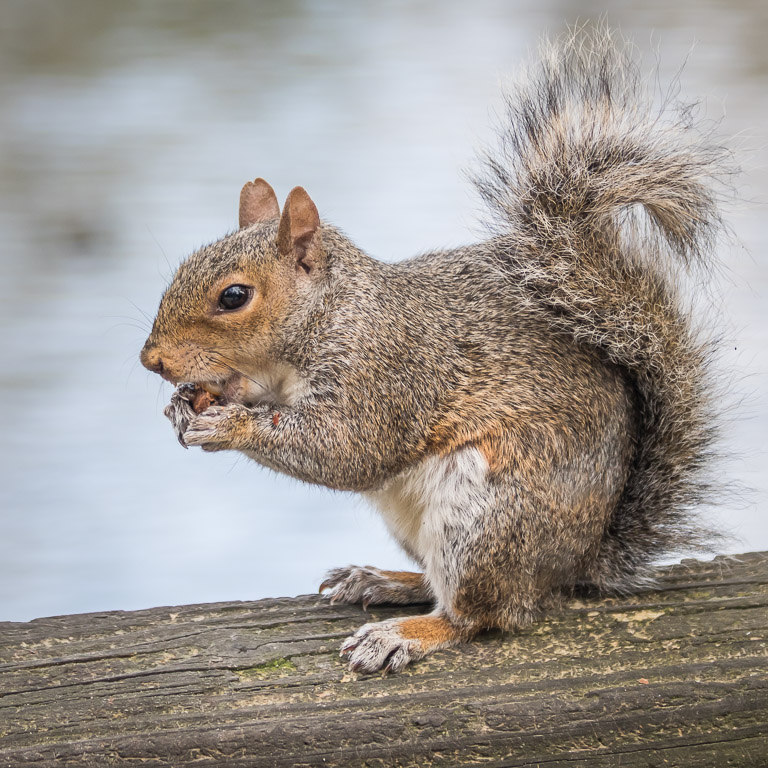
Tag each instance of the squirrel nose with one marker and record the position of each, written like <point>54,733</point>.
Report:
<point>151,360</point>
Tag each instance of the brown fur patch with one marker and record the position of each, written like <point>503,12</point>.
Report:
<point>431,631</point>
<point>494,449</point>
<point>406,578</point>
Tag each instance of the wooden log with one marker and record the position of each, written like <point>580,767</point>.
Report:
<point>672,677</point>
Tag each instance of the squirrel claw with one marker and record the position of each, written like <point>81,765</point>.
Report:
<point>348,646</point>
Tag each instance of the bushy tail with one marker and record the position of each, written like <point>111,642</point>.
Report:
<point>582,152</point>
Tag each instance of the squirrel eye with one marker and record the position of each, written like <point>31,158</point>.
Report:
<point>234,297</point>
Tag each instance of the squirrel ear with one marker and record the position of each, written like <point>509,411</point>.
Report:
<point>258,202</point>
<point>298,225</point>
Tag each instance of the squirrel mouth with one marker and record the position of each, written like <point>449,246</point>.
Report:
<point>201,396</point>
<point>205,394</point>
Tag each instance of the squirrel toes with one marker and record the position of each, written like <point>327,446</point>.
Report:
<point>531,414</point>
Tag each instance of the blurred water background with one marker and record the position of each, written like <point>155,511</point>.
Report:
<point>126,131</point>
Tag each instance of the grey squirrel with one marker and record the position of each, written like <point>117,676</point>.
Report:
<point>531,413</point>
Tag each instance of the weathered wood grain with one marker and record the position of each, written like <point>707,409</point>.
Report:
<point>673,677</point>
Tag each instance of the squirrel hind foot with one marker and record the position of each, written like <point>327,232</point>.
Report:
<point>393,644</point>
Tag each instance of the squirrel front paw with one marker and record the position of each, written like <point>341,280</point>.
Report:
<point>218,428</point>
<point>180,411</point>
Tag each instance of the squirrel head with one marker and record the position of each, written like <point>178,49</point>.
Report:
<point>222,314</point>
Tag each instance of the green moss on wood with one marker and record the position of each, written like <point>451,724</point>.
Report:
<point>273,668</point>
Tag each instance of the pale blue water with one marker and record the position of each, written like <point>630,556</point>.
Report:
<point>126,131</point>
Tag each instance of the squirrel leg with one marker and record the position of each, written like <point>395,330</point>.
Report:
<point>529,529</point>
<point>448,495</point>
<point>307,441</point>
<point>372,586</point>
<point>500,533</point>
<point>482,573</point>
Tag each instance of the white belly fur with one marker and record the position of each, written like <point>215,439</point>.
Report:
<point>419,504</point>
<point>277,384</point>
